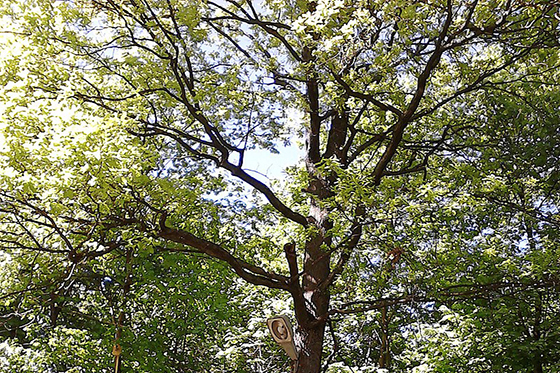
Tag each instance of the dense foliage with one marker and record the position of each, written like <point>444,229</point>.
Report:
<point>419,232</point>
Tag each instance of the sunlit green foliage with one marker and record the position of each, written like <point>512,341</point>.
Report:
<point>424,214</point>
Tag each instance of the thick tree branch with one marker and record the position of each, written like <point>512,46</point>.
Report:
<point>267,192</point>
<point>251,273</point>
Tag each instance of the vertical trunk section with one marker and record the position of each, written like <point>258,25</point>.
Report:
<point>537,365</point>
<point>384,355</point>
<point>537,360</point>
<point>310,350</point>
<point>312,300</point>
<point>316,268</point>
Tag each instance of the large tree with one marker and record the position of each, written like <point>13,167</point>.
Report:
<point>430,158</point>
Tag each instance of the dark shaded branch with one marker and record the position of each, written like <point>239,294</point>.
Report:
<point>291,257</point>
<point>407,115</point>
<point>337,135</point>
<point>365,97</point>
<point>375,138</point>
<point>531,212</point>
<point>460,291</point>
<point>250,273</point>
<point>479,82</point>
<point>269,27</point>
<point>313,137</point>
<point>267,192</point>
<point>233,42</point>
<point>347,247</point>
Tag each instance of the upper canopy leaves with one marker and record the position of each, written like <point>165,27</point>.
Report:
<point>430,132</point>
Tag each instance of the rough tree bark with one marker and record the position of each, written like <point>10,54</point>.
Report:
<point>385,351</point>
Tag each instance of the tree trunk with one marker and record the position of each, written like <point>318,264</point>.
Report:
<point>310,349</point>
<point>537,360</point>
<point>314,299</point>
<point>537,365</point>
<point>385,351</point>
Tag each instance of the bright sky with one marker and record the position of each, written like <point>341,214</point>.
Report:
<point>264,165</point>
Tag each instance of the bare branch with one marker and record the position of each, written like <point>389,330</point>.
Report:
<point>251,273</point>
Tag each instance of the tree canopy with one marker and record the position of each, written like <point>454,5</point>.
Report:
<point>419,232</point>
